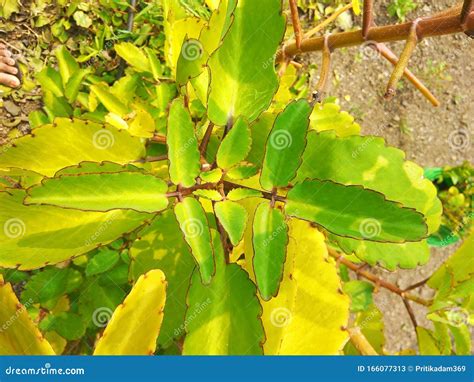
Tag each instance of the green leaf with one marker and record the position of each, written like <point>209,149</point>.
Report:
<point>370,322</point>
<point>82,19</point>
<point>102,192</point>
<point>360,293</point>
<point>139,317</point>
<point>224,317</point>
<point>462,339</point>
<point>102,262</point>
<point>96,168</point>
<point>212,176</point>
<point>270,238</point>
<point>388,255</point>
<point>195,227</point>
<point>191,61</point>
<point>243,193</point>
<point>50,80</point>
<point>134,56</point>
<point>66,63</point>
<point>368,162</point>
<point>242,171</point>
<point>237,89</point>
<point>285,145</point>
<point>233,218</point>
<point>68,325</point>
<point>72,87</point>
<point>56,106</point>
<point>213,195</point>
<point>50,284</point>
<point>153,251</point>
<point>8,7</point>
<point>235,146</point>
<point>19,335</point>
<point>309,313</point>
<point>183,151</point>
<point>35,236</point>
<point>111,102</point>
<point>328,116</point>
<point>354,212</point>
<point>37,118</point>
<point>426,342</point>
<point>67,143</point>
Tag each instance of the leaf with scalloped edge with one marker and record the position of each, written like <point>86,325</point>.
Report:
<point>237,194</point>
<point>19,335</point>
<point>366,161</point>
<point>224,317</point>
<point>233,218</point>
<point>134,56</point>
<point>328,116</point>
<point>285,145</point>
<point>193,222</point>
<point>237,89</point>
<point>183,151</point>
<point>35,236</point>
<point>152,251</point>
<point>355,212</point>
<point>135,324</point>
<point>388,255</point>
<point>270,238</point>
<point>307,316</point>
<point>52,147</point>
<point>235,146</point>
<point>102,192</point>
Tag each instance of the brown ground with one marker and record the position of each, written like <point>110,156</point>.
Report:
<point>430,136</point>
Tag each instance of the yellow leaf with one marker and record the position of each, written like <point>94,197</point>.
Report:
<point>356,7</point>
<point>18,334</point>
<point>135,324</point>
<point>309,312</point>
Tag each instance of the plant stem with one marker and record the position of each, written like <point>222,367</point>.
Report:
<point>377,281</point>
<point>466,10</point>
<point>410,313</point>
<point>360,342</point>
<point>296,23</point>
<point>325,69</point>
<point>327,21</point>
<point>368,18</point>
<point>402,63</point>
<point>205,140</point>
<point>158,138</point>
<point>427,27</point>
<point>392,58</point>
<point>266,195</point>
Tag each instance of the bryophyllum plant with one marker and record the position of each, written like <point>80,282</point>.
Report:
<point>235,203</point>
